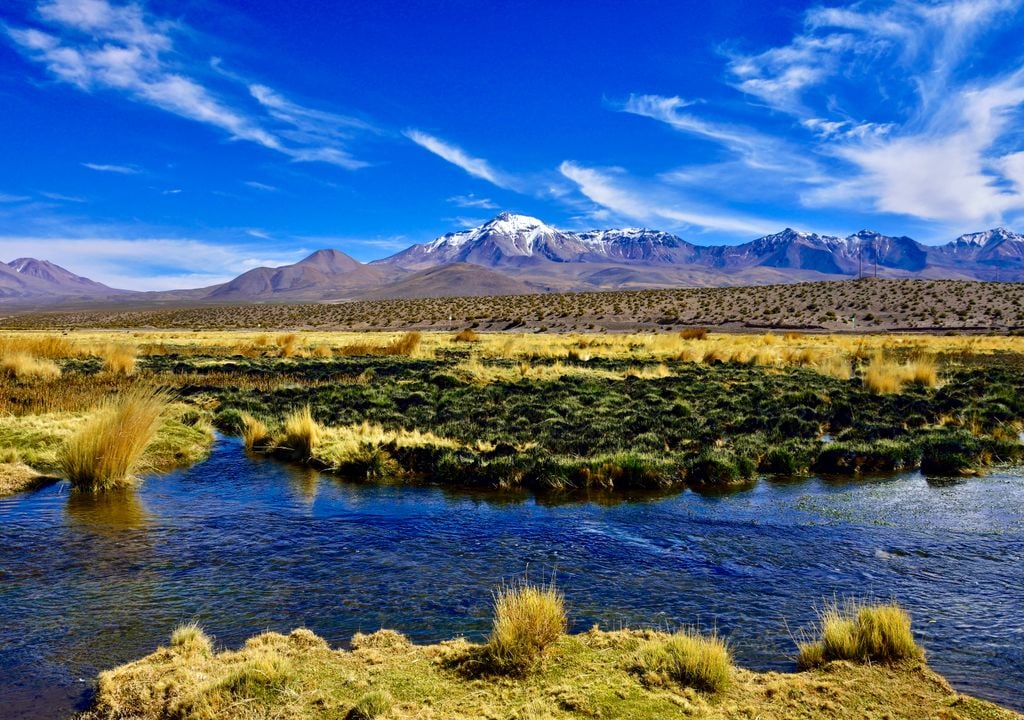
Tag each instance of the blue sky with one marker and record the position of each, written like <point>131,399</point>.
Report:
<point>174,144</point>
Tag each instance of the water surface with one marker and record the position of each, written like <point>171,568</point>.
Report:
<point>245,545</point>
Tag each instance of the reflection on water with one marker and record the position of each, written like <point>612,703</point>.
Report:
<point>107,513</point>
<point>246,544</point>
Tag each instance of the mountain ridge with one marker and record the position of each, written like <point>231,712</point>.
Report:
<point>512,253</point>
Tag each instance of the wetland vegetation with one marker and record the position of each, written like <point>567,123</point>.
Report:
<point>551,413</point>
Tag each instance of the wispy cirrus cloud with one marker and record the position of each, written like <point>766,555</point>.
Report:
<point>894,95</point>
<point>613,191</point>
<point>472,201</point>
<point>477,167</point>
<point>95,45</point>
<point>117,169</point>
<point>869,105</point>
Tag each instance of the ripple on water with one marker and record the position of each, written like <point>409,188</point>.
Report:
<point>244,545</point>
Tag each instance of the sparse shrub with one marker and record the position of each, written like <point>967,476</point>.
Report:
<point>301,433</point>
<point>23,366</point>
<point>107,448</point>
<point>861,633</point>
<point>371,706</point>
<point>527,620</point>
<point>189,639</point>
<point>703,662</point>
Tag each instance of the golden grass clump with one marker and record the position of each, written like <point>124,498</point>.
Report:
<point>118,359</point>
<point>23,366</point>
<point>106,449</point>
<point>696,333</point>
<point>254,432</point>
<point>405,345</point>
<point>527,620</point>
<point>301,433</point>
<point>189,639</point>
<point>884,375</point>
<point>50,347</point>
<point>468,335</point>
<point>703,662</point>
<point>288,344</point>
<point>862,633</point>
<point>374,704</point>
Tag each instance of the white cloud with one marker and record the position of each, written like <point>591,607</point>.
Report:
<point>896,101</point>
<point>472,201</point>
<point>118,169</point>
<point>148,263</point>
<point>5,198</point>
<point>95,45</point>
<point>477,167</point>
<point>611,191</point>
<point>260,186</point>
<point>62,198</point>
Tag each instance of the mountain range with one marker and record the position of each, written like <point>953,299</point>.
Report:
<point>517,254</point>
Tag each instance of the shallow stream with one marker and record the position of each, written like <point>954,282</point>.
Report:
<point>244,545</point>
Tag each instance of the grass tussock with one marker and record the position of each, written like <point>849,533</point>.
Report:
<point>528,619</point>
<point>466,336</point>
<point>371,706</point>
<point>119,359</point>
<point>688,658</point>
<point>51,347</point>
<point>255,433</point>
<point>696,333</point>
<point>22,366</point>
<point>190,639</point>
<point>107,448</point>
<point>861,633</point>
<point>301,434</point>
<point>884,376</point>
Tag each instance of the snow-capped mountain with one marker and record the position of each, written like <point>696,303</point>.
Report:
<point>992,246</point>
<point>511,239</point>
<point>518,240</point>
<point>518,253</point>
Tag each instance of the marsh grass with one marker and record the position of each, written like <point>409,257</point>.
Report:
<point>528,619</point>
<point>23,367</point>
<point>189,639</point>
<point>301,434</point>
<point>703,662</point>
<point>884,375</point>
<point>860,632</point>
<point>119,359</point>
<point>255,433</point>
<point>104,452</point>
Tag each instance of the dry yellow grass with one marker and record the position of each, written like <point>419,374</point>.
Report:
<point>339,445</point>
<point>254,432</point>
<point>687,658</point>
<point>884,375</point>
<point>528,619</point>
<point>861,632</point>
<point>23,366</point>
<point>119,359</point>
<point>106,450</point>
<point>301,433</point>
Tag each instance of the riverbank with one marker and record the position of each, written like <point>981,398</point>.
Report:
<point>590,675</point>
<point>551,412</point>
